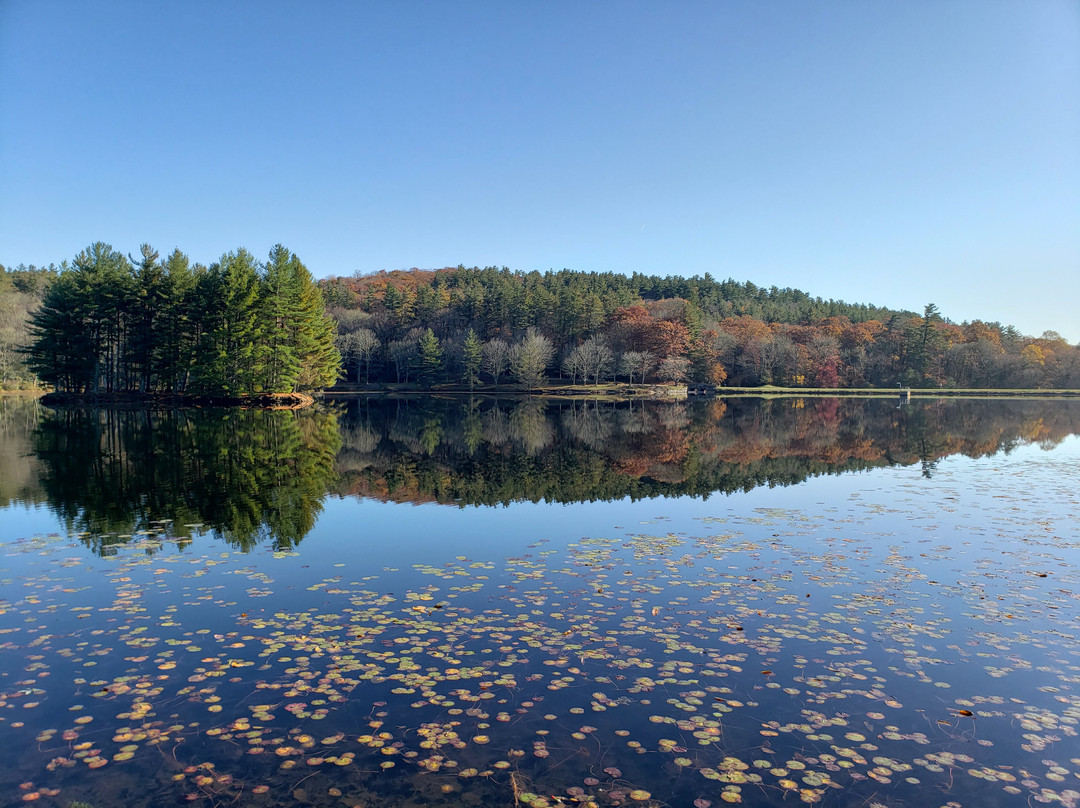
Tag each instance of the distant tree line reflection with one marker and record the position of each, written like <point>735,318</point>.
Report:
<point>498,452</point>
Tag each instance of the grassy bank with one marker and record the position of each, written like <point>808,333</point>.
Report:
<point>616,391</point>
<point>893,392</point>
<point>608,391</point>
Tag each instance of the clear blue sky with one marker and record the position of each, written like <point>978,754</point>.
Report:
<point>895,153</point>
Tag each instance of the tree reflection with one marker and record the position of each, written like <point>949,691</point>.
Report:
<point>251,475</point>
<point>490,452</point>
<point>257,476</point>
<point>19,468</point>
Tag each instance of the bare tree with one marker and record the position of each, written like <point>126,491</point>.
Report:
<point>366,343</point>
<point>496,358</point>
<point>639,362</point>
<point>357,348</point>
<point>673,369</point>
<point>574,365</point>
<point>597,358</point>
<point>405,354</point>
<point>530,358</point>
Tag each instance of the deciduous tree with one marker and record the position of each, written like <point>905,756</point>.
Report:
<point>530,358</point>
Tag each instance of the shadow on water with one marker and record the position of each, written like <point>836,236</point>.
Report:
<point>255,476</point>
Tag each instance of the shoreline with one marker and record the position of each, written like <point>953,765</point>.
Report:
<point>627,392</point>
<point>612,392</point>
<point>266,401</point>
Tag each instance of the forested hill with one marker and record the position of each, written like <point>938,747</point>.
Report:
<point>491,325</point>
<point>590,293</point>
<point>109,322</point>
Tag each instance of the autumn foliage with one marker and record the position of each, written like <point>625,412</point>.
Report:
<point>609,327</point>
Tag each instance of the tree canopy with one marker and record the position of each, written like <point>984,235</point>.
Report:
<point>602,327</point>
<point>116,324</point>
<point>106,322</point>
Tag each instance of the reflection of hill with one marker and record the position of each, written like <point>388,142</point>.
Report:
<point>430,450</point>
<point>254,475</point>
<point>249,474</point>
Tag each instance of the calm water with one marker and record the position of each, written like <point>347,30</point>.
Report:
<point>400,603</point>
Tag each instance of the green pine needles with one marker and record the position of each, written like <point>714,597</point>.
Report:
<point>114,324</point>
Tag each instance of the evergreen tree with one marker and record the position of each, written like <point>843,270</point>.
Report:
<point>145,325</point>
<point>302,354</point>
<point>431,357</point>
<point>147,307</point>
<point>178,324</point>
<point>320,361</point>
<point>228,357</point>
<point>80,330</point>
<point>472,357</point>
<point>280,295</point>
<point>62,351</point>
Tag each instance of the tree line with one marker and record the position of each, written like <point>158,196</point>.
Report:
<point>110,323</point>
<point>470,326</point>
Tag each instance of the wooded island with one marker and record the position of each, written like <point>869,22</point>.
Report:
<point>113,324</point>
<point>110,325</point>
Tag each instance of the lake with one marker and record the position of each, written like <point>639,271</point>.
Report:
<point>400,602</point>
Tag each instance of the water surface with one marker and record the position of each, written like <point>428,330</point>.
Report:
<point>507,603</point>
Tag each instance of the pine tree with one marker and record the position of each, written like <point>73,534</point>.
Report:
<point>110,325</point>
<point>431,357</point>
<point>280,294</point>
<point>147,306</point>
<point>313,334</point>
<point>228,357</point>
<point>62,352</point>
<point>80,331</point>
<point>472,357</point>
<point>178,323</point>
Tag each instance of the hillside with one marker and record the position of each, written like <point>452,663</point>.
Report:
<point>492,325</point>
